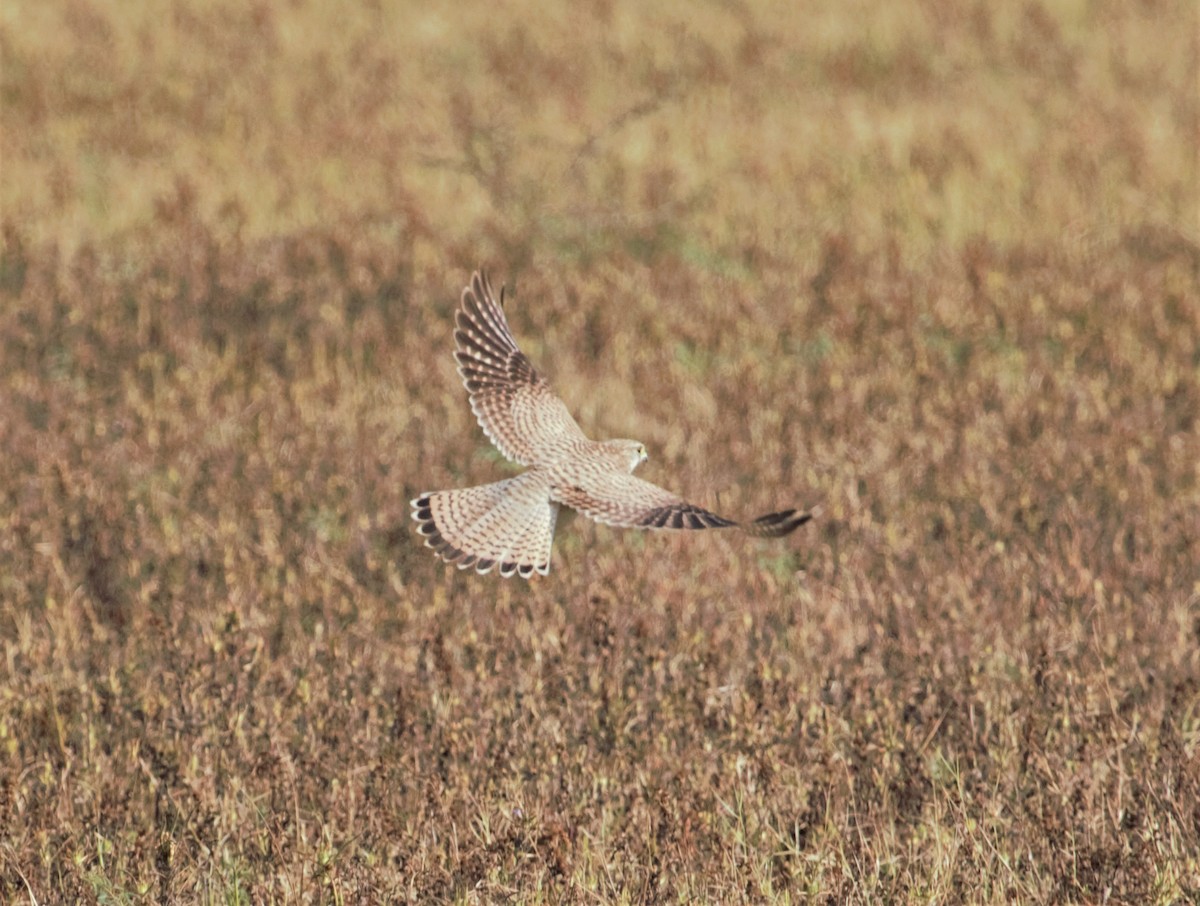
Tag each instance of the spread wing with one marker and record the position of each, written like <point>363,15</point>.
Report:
<point>623,500</point>
<point>514,405</point>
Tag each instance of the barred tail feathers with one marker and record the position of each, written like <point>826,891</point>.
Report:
<point>507,524</point>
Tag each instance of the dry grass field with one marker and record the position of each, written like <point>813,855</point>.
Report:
<point>931,266</point>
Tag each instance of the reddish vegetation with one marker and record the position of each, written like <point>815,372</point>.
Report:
<point>944,286</point>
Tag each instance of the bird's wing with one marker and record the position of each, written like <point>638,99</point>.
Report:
<point>513,403</point>
<point>623,500</point>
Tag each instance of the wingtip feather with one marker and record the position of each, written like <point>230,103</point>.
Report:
<point>778,524</point>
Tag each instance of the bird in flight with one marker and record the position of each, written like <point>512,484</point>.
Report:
<point>510,524</point>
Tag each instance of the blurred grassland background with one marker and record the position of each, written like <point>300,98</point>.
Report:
<point>933,266</point>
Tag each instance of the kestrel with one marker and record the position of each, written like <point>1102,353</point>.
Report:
<point>510,523</point>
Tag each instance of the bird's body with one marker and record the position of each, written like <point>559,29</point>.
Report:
<point>510,523</point>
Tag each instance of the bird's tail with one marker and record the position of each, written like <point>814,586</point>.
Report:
<point>509,524</point>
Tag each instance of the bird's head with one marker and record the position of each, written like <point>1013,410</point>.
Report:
<point>632,452</point>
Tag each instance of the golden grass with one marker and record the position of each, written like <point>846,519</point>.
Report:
<point>934,268</point>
